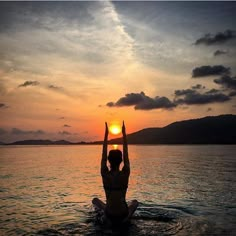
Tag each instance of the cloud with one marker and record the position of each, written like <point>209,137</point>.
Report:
<point>61,118</point>
<point>3,106</point>
<point>203,71</point>
<point>213,91</point>
<point>198,86</point>
<point>209,109</point>
<point>55,87</point>
<point>130,99</point>
<point>142,102</point>
<point>16,131</point>
<point>111,104</point>
<point>219,38</point>
<point>155,103</point>
<point>77,35</point>
<point>67,126</point>
<point>182,92</point>
<point>29,83</point>
<point>60,90</point>
<point>66,133</point>
<point>232,94</point>
<point>3,131</point>
<point>191,97</point>
<point>227,81</point>
<point>220,52</point>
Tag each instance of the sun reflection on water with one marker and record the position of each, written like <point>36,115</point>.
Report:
<point>115,146</point>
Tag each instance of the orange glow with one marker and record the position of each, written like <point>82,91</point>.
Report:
<point>115,129</point>
<point>115,146</point>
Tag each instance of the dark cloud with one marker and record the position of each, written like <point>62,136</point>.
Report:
<point>210,70</point>
<point>15,16</point>
<point>110,104</point>
<point>213,91</point>
<point>131,99</point>
<point>67,126</point>
<point>29,83</point>
<point>17,131</point>
<point>3,106</point>
<point>3,131</point>
<point>232,94</point>
<point>227,81</point>
<point>55,87</point>
<point>142,102</point>
<point>219,38</point>
<point>198,86</point>
<point>183,92</point>
<point>193,97</point>
<point>220,52</point>
<point>64,133</point>
<point>155,103</point>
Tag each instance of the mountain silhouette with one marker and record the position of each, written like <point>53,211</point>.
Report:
<point>208,130</point>
<point>41,142</point>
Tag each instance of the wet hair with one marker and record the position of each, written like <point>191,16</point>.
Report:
<point>115,158</point>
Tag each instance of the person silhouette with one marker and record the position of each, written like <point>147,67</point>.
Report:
<point>115,183</point>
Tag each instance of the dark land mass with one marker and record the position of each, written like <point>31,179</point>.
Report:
<point>41,142</point>
<point>44,142</point>
<point>208,130</point>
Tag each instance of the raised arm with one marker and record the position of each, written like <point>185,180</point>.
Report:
<point>125,150</point>
<point>104,152</point>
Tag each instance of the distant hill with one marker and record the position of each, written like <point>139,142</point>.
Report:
<point>208,130</point>
<point>41,142</point>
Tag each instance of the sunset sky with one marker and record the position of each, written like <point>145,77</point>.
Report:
<point>67,67</point>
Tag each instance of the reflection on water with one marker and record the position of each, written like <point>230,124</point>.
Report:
<point>183,190</point>
<point>115,146</point>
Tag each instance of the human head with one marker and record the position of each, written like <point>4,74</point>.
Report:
<point>115,158</point>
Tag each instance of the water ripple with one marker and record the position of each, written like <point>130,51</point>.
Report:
<point>183,190</point>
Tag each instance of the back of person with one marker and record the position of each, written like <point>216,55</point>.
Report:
<point>115,185</point>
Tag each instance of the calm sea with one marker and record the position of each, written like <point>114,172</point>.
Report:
<point>182,190</point>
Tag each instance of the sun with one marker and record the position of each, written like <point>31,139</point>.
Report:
<point>115,129</point>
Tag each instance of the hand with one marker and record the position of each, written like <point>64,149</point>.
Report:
<point>123,128</point>
<point>106,130</point>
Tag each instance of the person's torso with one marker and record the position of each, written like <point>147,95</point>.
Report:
<point>115,186</point>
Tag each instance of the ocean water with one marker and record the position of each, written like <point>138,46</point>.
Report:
<point>182,190</point>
